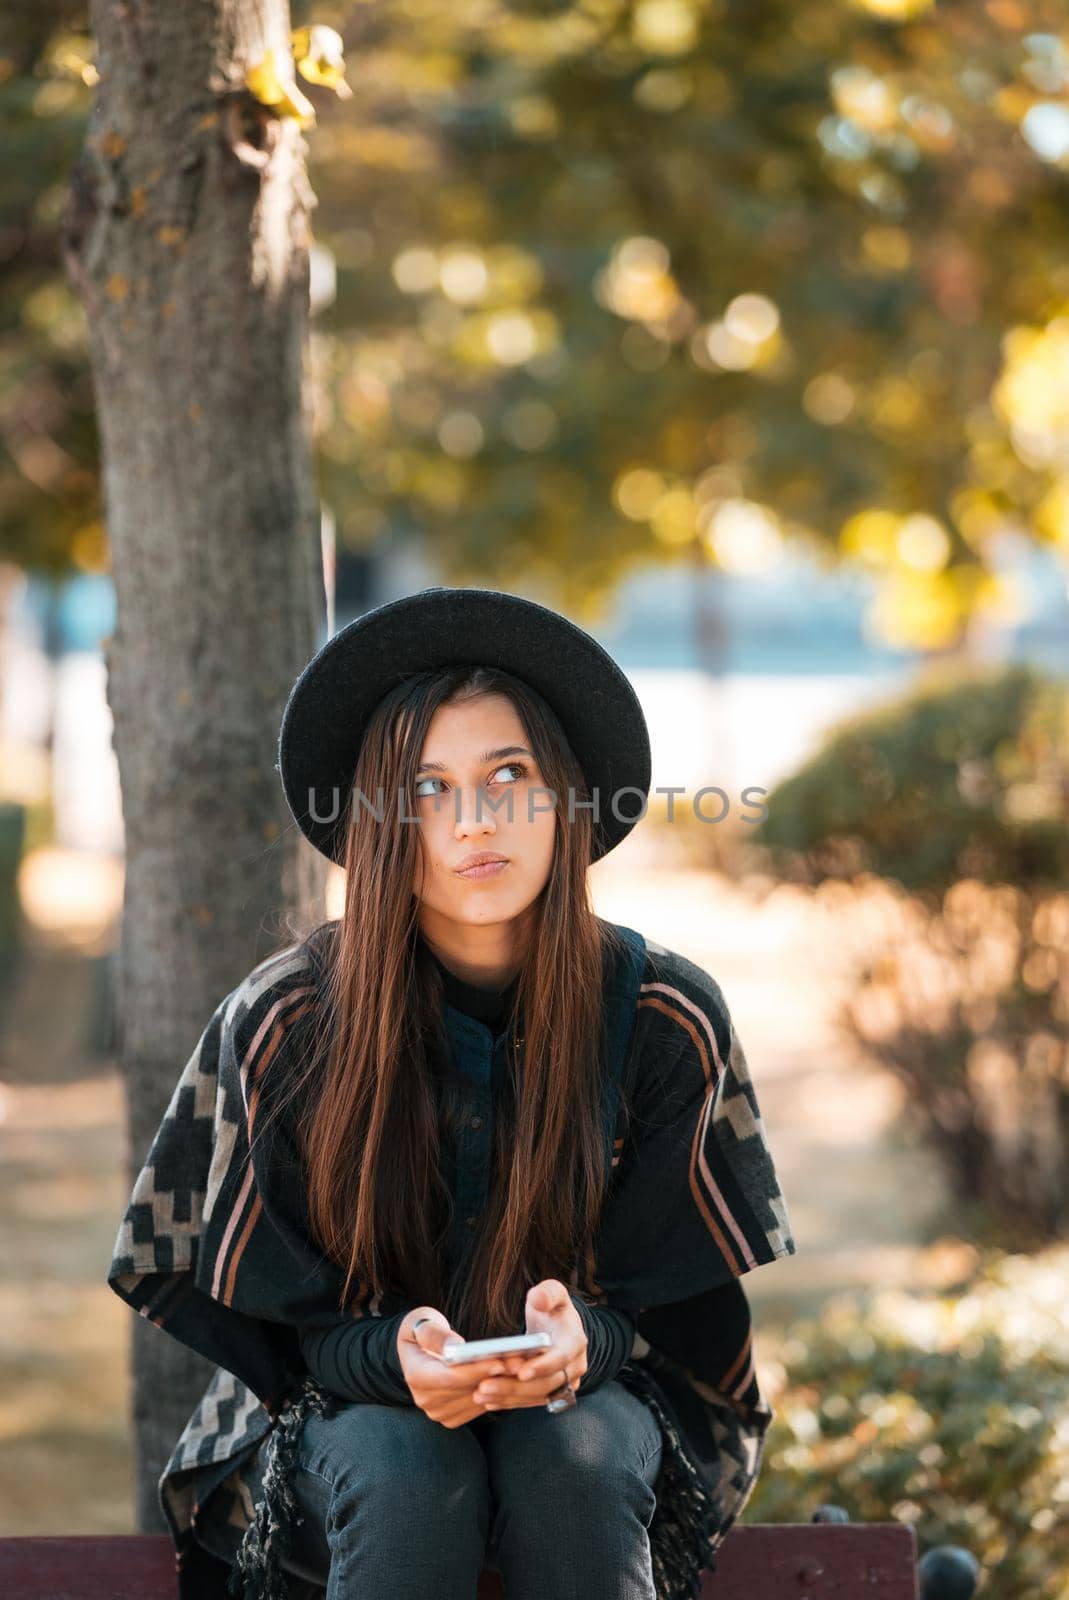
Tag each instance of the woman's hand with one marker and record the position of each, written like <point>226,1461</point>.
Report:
<point>549,1307</point>
<point>442,1391</point>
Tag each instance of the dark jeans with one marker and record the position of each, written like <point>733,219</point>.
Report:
<point>396,1506</point>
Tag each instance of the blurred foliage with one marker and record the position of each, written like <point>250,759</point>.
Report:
<point>965,775</point>
<point>967,1004</point>
<point>958,792</point>
<point>946,1410</point>
<point>50,496</point>
<point>595,281</point>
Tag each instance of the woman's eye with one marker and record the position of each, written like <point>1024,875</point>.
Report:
<point>420,791</point>
<point>513,766</point>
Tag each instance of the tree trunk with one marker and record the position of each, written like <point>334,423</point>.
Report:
<point>186,237</point>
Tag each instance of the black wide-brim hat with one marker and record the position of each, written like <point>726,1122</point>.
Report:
<point>329,705</point>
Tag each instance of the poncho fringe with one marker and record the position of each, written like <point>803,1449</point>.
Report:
<point>257,1572</point>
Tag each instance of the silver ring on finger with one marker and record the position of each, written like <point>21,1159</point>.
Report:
<point>562,1398</point>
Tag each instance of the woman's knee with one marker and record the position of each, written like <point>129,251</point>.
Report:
<point>394,1457</point>
<point>605,1442</point>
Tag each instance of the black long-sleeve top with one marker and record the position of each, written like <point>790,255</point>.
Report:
<point>359,1360</point>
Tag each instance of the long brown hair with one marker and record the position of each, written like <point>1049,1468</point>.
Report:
<point>372,1115</point>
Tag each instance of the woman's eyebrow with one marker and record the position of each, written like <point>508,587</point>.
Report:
<point>487,756</point>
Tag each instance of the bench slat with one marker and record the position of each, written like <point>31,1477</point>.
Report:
<point>815,1561</point>
<point>89,1567</point>
<point>762,1561</point>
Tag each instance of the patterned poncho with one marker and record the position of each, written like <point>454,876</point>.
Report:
<point>215,1249</point>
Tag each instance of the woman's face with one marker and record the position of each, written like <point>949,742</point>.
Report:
<point>479,790</point>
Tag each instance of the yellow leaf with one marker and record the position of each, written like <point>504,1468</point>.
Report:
<point>262,80</point>
<point>297,105</point>
<point>75,65</point>
<point>273,88</point>
<point>320,55</point>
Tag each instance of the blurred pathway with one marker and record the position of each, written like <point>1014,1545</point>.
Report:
<point>64,1336</point>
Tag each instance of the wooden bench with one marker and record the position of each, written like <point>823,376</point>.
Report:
<point>762,1561</point>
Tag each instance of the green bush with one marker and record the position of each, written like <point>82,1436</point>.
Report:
<point>966,1003</point>
<point>949,1411</point>
<point>955,797</point>
<point>967,775</point>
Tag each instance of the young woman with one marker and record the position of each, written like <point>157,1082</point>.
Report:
<point>468,1108</point>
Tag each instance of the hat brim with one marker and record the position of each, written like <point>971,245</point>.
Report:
<point>329,705</point>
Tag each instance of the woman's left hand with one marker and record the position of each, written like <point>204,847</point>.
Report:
<point>549,1307</point>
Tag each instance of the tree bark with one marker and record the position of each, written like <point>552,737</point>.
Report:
<point>186,237</point>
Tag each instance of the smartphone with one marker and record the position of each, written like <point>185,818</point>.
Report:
<point>509,1344</point>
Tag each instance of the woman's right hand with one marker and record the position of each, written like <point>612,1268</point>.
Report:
<point>442,1391</point>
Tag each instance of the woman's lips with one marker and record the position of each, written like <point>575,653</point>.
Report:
<point>486,869</point>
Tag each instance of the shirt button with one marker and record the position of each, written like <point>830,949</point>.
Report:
<point>470,1222</point>
<point>476,1122</point>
